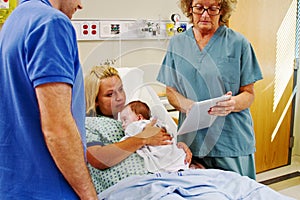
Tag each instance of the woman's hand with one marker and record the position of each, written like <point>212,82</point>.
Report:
<point>236,103</point>
<point>223,108</point>
<point>155,136</point>
<point>188,158</point>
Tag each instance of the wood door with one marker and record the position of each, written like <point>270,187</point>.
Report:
<point>260,21</point>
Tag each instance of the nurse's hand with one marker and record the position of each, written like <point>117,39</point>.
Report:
<point>223,108</point>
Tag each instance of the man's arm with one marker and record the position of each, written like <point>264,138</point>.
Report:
<point>62,137</point>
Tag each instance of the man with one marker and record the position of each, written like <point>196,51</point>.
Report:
<point>42,134</point>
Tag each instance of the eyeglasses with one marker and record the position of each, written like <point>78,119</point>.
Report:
<point>213,10</point>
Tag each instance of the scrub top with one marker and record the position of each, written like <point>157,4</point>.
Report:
<point>225,64</point>
<point>37,45</point>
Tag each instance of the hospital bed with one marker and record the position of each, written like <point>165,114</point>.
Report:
<point>198,184</point>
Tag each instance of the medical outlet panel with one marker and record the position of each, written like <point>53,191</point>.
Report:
<point>127,29</point>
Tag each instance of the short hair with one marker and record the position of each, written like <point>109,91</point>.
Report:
<point>139,107</point>
<point>92,84</point>
<point>227,7</point>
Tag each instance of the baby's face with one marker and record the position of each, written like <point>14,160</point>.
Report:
<point>128,116</point>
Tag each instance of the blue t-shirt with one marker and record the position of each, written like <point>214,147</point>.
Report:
<point>37,46</point>
<point>225,64</point>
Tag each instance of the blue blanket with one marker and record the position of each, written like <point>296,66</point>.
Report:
<point>206,184</point>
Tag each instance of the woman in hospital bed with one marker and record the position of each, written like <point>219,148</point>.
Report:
<point>118,172</point>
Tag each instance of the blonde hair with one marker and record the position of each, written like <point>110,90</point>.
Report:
<point>92,84</point>
<point>227,7</point>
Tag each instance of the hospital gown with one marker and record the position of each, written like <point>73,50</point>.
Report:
<point>103,131</point>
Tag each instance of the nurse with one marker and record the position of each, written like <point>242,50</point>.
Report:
<point>207,61</point>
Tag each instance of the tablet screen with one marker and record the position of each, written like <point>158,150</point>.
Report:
<point>198,117</point>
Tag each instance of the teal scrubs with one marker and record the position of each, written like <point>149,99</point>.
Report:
<point>225,64</point>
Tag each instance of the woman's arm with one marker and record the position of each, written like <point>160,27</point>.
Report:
<point>244,99</point>
<point>102,157</point>
<point>236,103</point>
<point>178,101</point>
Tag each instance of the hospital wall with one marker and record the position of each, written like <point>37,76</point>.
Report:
<point>145,54</point>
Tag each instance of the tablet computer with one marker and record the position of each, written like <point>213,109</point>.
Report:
<point>198,117</point>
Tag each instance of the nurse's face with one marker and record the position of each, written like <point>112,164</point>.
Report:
<point>206,22</point>
<point>111,97</point>
<point>69,7</point>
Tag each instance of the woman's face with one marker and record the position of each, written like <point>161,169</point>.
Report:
<point>204,22</point>
<point>111,97</point>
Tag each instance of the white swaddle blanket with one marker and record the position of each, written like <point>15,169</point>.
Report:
<point>164,158</point>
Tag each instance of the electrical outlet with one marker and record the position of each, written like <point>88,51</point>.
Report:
<point>87,30</point>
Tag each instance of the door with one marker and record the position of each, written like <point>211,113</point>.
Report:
<point>270,27</point>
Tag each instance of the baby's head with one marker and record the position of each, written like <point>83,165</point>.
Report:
<point>134,111</point>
